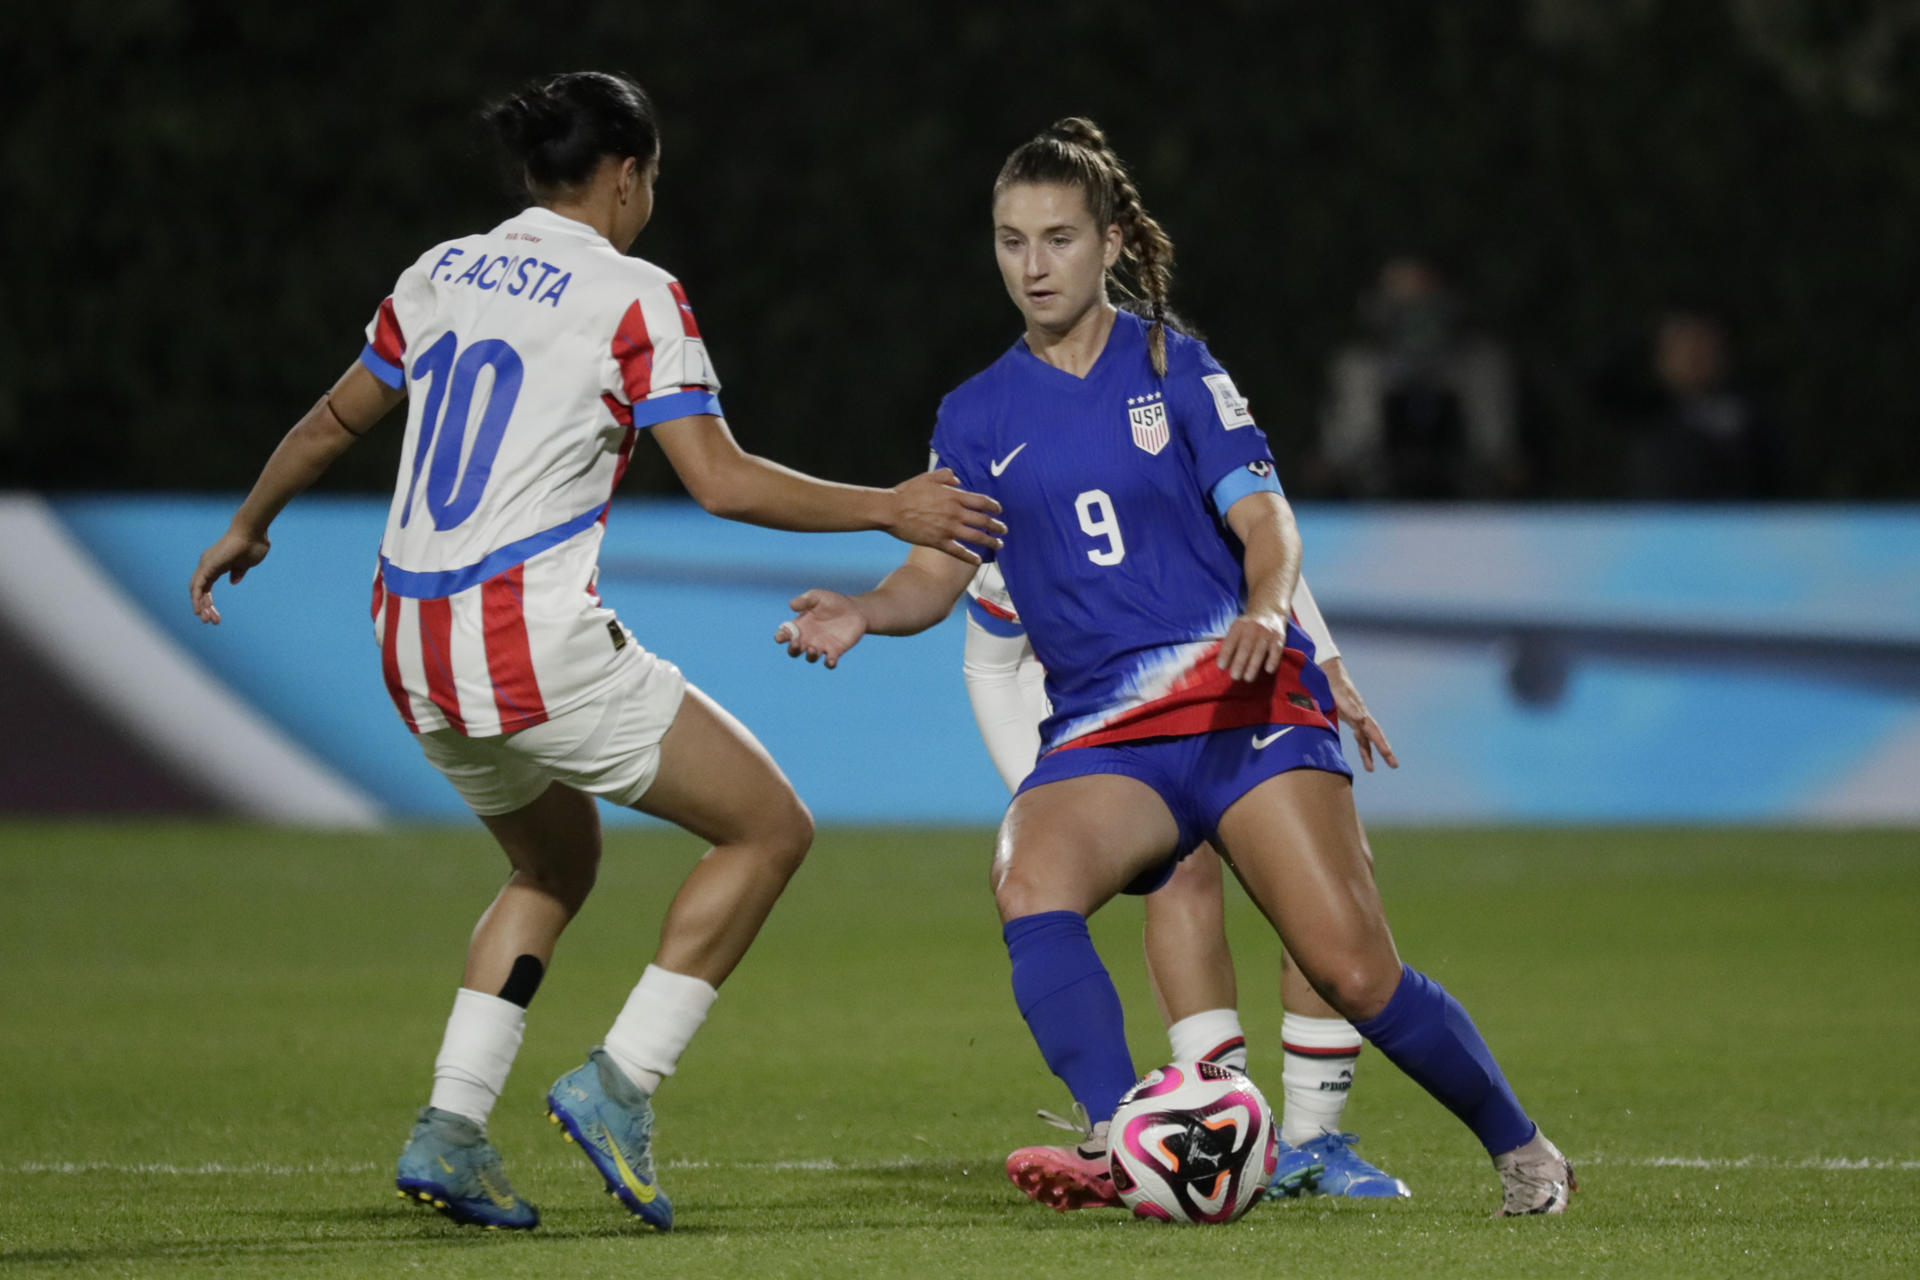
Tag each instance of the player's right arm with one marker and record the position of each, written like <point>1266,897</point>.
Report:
<point>347,412</point>
<point>912,598</point>
<point>929,510</point>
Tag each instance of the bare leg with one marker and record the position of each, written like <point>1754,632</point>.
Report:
<point>554,846</point>
<point>1072,845</point>
<point>1296,993</point>
<point>1295,844</point>
<point>1186,941</point>
<point>1065,848</point>
<point>719,783</point>
<point>1297,847</point>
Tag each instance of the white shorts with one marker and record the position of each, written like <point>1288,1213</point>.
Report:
<point>609,747</point>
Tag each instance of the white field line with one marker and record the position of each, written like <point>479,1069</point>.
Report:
<point>1833,1164</point>
<point>1816,1164</point>
<point>341,1167</point>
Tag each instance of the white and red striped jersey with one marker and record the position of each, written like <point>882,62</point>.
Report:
<point>531,357</point>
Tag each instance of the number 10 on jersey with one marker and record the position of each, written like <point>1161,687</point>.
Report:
<point>1099,521</point>
<point>453,490</point>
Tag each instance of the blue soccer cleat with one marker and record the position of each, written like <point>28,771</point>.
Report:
<point>1344,1173</point>
<point>1295,1173</point>
<point>608,1115</point>
<point>449,1164</point>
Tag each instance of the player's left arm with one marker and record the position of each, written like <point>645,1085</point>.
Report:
<point>1257,640</point>
<point>347,412</point>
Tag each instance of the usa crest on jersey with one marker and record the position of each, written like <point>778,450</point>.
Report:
<point>1148,417</point>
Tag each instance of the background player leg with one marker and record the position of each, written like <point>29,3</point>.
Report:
<point>1189,965</point>
<point>1295,843</point>
<point>718,782</point>
<point>1191,969</point>
<point>1065,848</point>
<point>1320,1050</point>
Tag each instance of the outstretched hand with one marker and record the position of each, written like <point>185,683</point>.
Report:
<point>1367,734</point>
<point>828,625</point>
<point>932,510</point>
<point>233,555</point>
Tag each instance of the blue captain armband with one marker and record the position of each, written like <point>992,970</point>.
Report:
<point>1256,477</point>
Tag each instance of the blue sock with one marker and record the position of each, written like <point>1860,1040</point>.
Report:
<point>1068,1000</point>
<point>1427,1034</point>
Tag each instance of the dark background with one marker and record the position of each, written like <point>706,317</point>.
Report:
<point>205,202</point>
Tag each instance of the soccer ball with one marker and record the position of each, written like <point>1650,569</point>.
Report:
<point>1193,1142</point>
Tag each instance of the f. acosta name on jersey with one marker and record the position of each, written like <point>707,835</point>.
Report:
<point>518,277</point>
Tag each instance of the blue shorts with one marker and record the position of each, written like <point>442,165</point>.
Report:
<point>1199,776</point>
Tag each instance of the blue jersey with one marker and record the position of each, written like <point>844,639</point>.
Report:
<point>1113,488</point>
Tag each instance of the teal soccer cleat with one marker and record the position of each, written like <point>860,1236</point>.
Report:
<point>1343,1172</point>
<point>608,1115</point>
<point>449,1164</point>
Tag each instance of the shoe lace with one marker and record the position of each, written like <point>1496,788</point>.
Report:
<point>1077,1123</point>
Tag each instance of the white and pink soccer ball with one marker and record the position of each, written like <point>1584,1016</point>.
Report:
<point>1193,1142</point>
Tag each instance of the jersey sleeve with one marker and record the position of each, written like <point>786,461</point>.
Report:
<point>1230,454</point>
<point>990,604</point>
<point>657,367</point>
<point>386,351</point>
<point>948,450</point>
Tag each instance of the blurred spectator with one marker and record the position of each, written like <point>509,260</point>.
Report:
<point>1425,405</point>
<point>1691,431</point>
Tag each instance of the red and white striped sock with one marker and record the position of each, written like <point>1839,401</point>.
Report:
<point>1315,1075</point>
<point>1211,1036</point>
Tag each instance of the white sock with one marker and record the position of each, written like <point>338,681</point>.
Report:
<point>653,1029</point>
<point>1210,1036</point>
<point>1316,1072</point>
<point>483,1034</point>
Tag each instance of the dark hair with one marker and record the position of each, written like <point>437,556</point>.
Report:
<point>1073,152</point>
<point>558,130</point>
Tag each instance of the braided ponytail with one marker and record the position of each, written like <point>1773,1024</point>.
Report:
<point>1074,152</point>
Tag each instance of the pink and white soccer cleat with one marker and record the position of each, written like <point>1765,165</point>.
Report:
<point>1065,1178</point>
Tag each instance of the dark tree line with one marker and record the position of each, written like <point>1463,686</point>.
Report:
<point>204,203</point>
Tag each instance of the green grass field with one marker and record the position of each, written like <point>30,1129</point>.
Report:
<point>213,1037</point>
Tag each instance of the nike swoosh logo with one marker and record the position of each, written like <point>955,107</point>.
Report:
<point>642,1191</point>
<point>1261,744</point>
<point>1002,465</point>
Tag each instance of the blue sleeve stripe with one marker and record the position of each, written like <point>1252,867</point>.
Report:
<point>991,622</point>
<point>1237,484</point>
<point>681,404</point>
<point>391,374</point>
